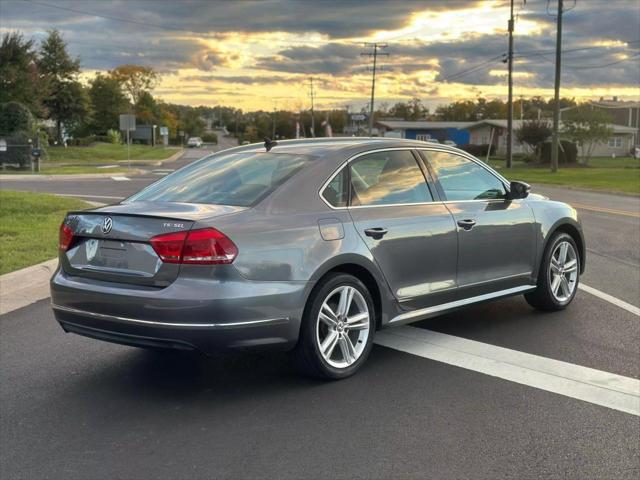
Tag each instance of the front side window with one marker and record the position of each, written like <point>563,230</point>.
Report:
<point>240,179</point>
<point>462,179</point>
<point>388,178</point>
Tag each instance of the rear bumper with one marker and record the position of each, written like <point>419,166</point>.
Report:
<point>191,314</point>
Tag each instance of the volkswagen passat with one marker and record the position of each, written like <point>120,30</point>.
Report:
<point>311,246</point>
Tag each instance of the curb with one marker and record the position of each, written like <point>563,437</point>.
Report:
<point>26,286</point>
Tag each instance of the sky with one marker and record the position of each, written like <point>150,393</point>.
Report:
<point>261,54</point>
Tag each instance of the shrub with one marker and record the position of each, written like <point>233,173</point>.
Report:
<point>478,150</point>
<point>210,138</point>
<point>81,141</point>
<point>567,153</point>
<point>18,149</point>
<point>15,117</point>
<point>114,136</point>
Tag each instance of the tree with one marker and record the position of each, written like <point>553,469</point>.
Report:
<point>107,102</point>
<point>147,109</point>
<point>17,127</point>
<point>19,72</point>
<point>191,123</point>
<point>65,99</point>
<point>135,79</point>
<point>460,111</point>
<point>587,127</point>
<point>533,133</point>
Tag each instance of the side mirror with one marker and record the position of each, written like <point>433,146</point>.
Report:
<point>518,190</point>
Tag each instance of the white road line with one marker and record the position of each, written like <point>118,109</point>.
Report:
<point>611,299</point>
<point>587,384</point>
<point>120,179</point>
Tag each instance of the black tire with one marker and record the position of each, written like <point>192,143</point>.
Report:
<point>542,298</point>
<point>306,355</point>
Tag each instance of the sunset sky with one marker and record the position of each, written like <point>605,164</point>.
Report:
<point>260,54</point>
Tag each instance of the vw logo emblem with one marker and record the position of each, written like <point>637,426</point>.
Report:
<point>107,224</point>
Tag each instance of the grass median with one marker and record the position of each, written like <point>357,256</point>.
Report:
<point>617,175</point>
<point>107,152</point>
<point>29,225</point>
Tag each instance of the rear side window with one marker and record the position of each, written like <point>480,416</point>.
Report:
<point>240,179</point>
<point>336,193</point>
<point>388,178</point>
<point>462,179</point>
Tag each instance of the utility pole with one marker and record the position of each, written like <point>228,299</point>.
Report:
<point>312,95</point>
<point>275,112</point>
<point>510,99</point>
<point>373,54</point>
<point>556,106</point>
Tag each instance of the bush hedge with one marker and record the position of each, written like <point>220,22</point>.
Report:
<point>210,138</point>
<point>567,153</point>
<point>478,150</point>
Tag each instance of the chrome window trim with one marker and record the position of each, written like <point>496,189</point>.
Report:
<point>102,316</point>
<point>356,156</point>
<point>415,314</point>
<point>434,148</point>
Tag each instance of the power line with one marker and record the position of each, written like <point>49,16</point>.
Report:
<point>375,53</point>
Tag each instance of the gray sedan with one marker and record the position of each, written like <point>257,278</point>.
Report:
<point>311,246</point>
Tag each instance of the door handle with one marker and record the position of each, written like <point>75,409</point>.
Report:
<point>376,233</point>
<point>467,223</point>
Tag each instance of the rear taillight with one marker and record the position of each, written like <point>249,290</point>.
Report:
<point>65,237</point>
<point>206,246</point>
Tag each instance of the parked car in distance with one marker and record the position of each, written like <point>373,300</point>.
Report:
<point>432,140</point>
<point>194,142</point>
<point>311,247</point>
<point>450,143</point>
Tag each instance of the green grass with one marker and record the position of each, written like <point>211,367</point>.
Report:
<point>621,175</point>
<point>106,152</point>
<point>71,170</point>
<point>29,225</point>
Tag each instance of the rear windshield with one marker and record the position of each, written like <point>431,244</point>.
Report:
<point>240,179</point>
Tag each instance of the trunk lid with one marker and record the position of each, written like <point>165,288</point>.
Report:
<point>112,243</point>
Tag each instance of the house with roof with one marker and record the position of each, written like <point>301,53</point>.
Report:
<point>494,132</point>
<point>455,132</point>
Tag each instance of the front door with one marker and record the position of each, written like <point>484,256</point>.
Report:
<point>496,237</point>
<point>411,236</point>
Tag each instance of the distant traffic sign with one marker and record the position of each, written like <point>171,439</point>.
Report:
<point>3,145</point>
<point>164,131</point>
<point>358,117</point>
<point>127,122</point>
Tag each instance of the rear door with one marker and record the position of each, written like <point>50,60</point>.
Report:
<point>410,233</point>
<point>496,236</point>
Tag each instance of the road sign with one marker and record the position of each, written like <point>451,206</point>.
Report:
<point>358,117</point>
<point>127,122</point>
<point>3,145</point>
<point>164,131</point>
<point>181,133</point>
<point>36,152</point>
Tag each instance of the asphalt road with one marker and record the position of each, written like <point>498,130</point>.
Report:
<point>72,407</point>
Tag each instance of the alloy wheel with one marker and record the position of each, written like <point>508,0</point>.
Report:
<point>343,325</point>
<point>563,271</point>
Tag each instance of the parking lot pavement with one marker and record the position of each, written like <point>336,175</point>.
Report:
<point>73,407</point>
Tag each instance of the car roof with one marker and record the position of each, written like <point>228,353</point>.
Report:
<point>320,147</point>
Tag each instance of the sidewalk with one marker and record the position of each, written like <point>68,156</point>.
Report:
<point>26,286</point>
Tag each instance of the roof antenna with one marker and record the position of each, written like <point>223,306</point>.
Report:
<point>269,144</point>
